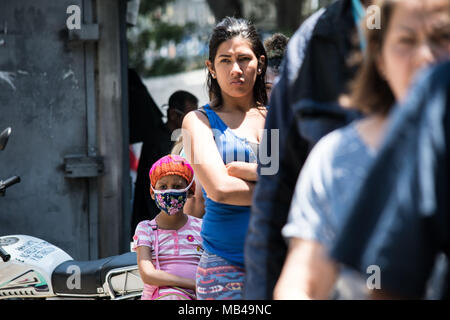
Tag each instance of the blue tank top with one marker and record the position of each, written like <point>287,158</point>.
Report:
<point>225,226</point>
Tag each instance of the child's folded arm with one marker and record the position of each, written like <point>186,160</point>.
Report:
<point>159,278</point>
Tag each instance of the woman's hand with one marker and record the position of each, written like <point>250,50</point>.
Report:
<point>195,206</point>
<point>243,170</point>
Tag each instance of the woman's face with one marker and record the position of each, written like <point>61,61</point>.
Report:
<point>418,35</point>
<point>235,67</point>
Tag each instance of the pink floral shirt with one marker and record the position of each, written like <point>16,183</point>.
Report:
<point>179,250</point>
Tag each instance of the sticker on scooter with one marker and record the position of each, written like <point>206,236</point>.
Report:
<point>28,279</point>
<point>8,241</point>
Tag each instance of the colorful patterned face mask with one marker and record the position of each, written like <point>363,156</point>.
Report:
<point>172,200</point>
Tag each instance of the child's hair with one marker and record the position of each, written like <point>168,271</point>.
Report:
<point>172,164</point>
<point>275,47</point>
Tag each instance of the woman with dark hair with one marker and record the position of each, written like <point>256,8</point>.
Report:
<point>221,142</point>
<point>413,34</point>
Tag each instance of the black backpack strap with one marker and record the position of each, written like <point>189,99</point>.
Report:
<point>202,110</point>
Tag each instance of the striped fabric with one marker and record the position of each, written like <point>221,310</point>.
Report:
<point>218,279</point>
<point>179,250</point>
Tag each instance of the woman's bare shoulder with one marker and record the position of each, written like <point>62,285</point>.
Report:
<point>195,117</point>
<point>262,110</point>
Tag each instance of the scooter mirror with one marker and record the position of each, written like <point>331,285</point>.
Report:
<point>4,136</point>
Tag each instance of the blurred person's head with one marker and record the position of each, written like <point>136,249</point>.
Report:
<point>236,63</point>
<point>275,47</point>
<point>413,34</point>
<point>180,103</point>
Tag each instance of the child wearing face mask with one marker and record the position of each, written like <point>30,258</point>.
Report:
<point>169,247</point>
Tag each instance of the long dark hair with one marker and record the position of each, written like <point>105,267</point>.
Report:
<point>369,91</point>
<point>225,30</point>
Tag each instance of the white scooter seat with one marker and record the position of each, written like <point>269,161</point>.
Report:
<point>92,274</point>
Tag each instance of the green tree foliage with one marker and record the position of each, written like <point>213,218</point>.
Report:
<point>223,8</point>
<point>149,6</point>
<point>163,66</point>
<point>151,33</point>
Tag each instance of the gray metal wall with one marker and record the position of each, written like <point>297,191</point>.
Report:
<point>57,101</point>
